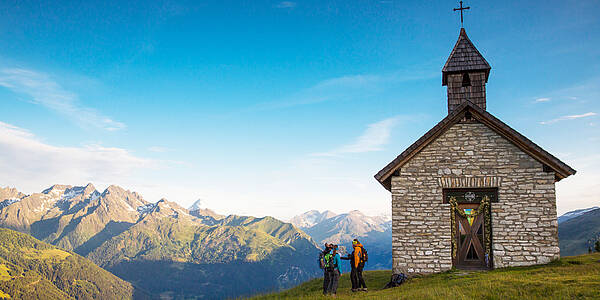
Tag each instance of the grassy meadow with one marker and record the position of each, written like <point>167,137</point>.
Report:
<point>575,277</point>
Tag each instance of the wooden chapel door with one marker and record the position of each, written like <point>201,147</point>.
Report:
<point>470,235</point>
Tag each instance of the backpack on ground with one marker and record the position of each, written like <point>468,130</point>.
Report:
<point>396,280</point>
<point>364,256</point>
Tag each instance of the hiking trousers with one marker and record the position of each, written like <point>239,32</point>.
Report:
<point>326,281</point>
<point>333,283</point>
<point>356,277</point>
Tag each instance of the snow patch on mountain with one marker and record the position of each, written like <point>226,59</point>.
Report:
<point>311,218</point>
<point>146,209</point>
<point>95,195</point>
<point>55,190</point>
<point>575,213</point>
<point>72,193</point>
<point>196,206</point>
<point>8,202</point>
<point>49,198</point>
<point>130,207</point>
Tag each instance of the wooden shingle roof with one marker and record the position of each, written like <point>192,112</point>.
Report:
<point>464,57</point>
<point>550,162</point>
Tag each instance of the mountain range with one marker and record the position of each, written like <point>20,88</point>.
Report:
<point>375,233</point>
<point>575,213</point>
<point>161,247</point>
<point>578,231</point>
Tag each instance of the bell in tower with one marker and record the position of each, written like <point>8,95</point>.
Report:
<point>465,73</point>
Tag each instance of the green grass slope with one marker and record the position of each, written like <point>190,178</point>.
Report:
<point>32,269</point>
<point>575,277</point>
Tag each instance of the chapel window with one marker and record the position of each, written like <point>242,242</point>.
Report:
<point>466,80</point>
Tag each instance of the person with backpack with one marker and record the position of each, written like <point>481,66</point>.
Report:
<point>324,256</point>
<point>335,267</point>
<point>357,258</point>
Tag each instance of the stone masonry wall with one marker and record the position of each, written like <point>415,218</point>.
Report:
<point>524,225</point>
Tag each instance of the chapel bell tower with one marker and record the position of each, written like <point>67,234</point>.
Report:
<point>465,73</point>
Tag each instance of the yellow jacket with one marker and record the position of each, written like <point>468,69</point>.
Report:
<point>357,254</point>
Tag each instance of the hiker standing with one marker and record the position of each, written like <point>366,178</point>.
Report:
<point>323,259</point>
<point>336,271</point>
<point>357,258</point>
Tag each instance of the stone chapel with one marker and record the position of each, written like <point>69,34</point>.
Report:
<point>472,192</point>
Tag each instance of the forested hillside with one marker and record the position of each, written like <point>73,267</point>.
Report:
<point>31,269</point>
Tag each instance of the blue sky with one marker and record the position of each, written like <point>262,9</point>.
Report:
<point>277,107</point>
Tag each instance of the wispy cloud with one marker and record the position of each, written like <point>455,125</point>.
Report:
<point>348,87</point>
<point>544,99</point>
<point>580,190</point>
<point>29,161</point>
<point>585,91</point>
<point>45,91</point>
<point>569,117</point>
<point>373,139</point>
<point>158,149</point>
<point>286,4</point>
<point>353,81</point>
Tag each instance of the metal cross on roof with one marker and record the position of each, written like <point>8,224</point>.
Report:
<point>461,12</point>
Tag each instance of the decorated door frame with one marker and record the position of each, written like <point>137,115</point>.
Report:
<point>470,214</point>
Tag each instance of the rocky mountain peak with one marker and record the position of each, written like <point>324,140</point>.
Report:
<point>120,198</point>
<point>57,189</point>
<point>79,192</point>
<point>10,193</point>
<point>113,189</point>
<point>9,196</point>
<point>163,208</point>
<point>161,204</point>
<point>60,194</point>
<point>356,212</point>
<point>89,188</point>
<point>196,205</point>
<point>311,218</point>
